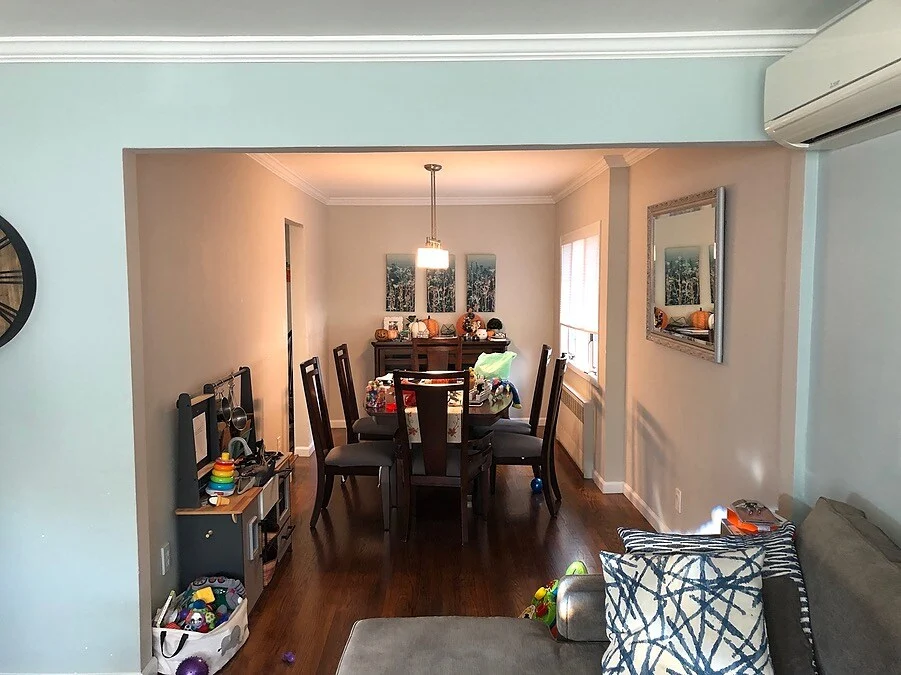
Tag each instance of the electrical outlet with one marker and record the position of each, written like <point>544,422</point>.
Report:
<point>166,558</point>
<point>678,500</point>
<point>278,443</point>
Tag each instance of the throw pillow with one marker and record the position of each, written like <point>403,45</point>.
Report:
<point>791,640</point>
<point>698,614</point>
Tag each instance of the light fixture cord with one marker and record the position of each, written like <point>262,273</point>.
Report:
<point>434,208</point>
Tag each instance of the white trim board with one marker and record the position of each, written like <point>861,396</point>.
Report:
<point>303,450</point>
<point>608,487</point>
<point>630,158</point>
<point>653,518</point>
<point>356,48</point>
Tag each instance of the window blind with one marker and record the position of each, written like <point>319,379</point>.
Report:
<point>579,262</point>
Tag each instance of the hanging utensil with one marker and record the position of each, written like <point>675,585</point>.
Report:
<point>225,406</point>
<point>238,414</point>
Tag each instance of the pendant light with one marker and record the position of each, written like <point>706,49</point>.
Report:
<point>432,256</point>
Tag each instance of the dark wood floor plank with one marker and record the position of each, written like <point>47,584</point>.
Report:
<point>350,569</point>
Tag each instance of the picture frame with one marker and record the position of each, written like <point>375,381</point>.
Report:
<point>393,323</point>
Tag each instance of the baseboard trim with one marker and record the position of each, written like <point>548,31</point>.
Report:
<point>151,668</point>
<point>608,487</point>
<point>652,516</point>
<point>303,450</point>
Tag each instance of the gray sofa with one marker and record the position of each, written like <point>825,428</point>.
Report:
<point>852,572</point>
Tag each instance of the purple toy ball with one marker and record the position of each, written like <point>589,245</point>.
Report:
<point>536,486</point>
<point>289,658</point>
<point>193,665</point>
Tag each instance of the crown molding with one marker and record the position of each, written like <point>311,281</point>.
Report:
<point>441,201</point>
<point>628,158</point>
<point>312,49</point>
<point>271,162</point>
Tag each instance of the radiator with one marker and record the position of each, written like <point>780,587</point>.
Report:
<point>576,426</point>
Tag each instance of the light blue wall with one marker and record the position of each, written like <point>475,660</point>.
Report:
<point>854,436</point>
<point>68,534</point>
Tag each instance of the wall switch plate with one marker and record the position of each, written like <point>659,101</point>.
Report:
<point>678,500</point>
<point>278,443</point>
<point>166,558</point>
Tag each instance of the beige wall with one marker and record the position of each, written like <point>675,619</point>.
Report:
<point>211,230</point>
<point>715,431</point>
<point>604,199</point>
<point>522,237</point>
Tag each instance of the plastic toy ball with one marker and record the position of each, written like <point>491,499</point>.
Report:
<point>289,658</point>
<point>536,486</point>
<point>193,665</point>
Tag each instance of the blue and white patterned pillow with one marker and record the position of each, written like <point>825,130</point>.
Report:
<point>781,557</point>
<point>696,614</point>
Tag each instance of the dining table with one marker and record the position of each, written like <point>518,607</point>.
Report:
<point>483,414</point>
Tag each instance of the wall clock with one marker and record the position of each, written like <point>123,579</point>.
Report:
<point>18,282</point>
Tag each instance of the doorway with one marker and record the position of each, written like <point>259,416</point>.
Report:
<point>299,437</point>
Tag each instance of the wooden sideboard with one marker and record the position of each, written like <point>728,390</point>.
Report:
<point>391,355</point>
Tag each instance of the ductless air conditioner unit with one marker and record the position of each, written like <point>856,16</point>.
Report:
<point>842,87</point>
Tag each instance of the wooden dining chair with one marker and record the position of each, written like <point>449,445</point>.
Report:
<point>438,353</point>
<point>375,458</point>
<point>525,450</point>
<point>427,456</point>
<point>358,428</point>
<point>529,426</point>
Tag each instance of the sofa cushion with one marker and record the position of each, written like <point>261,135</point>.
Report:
<point>688,614</point>
<point>854,583</point>
<point>451,645</point>
<point>784,604</point>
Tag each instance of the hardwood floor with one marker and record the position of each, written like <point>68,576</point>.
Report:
<point>349,568</point>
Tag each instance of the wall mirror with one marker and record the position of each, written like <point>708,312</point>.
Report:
<point>685,274</point>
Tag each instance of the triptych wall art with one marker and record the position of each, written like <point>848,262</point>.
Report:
<point>441,288</point>
<point>441,285</point>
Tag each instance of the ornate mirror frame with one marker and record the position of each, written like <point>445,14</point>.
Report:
<point>711,350</point>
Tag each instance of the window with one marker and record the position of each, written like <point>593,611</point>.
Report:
<point>579,268</point>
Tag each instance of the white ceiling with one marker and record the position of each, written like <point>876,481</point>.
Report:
<point>403,17</point>
<point>466,176</point>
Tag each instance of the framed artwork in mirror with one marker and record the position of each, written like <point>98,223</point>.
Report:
<point>686,259</point>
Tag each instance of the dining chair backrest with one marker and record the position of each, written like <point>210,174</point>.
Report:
<point>346,388</point>
<point>537,396</point>
<point>553,408</point>
<point>311,374</point>
<point>432,412</point>
<point>438,353</point>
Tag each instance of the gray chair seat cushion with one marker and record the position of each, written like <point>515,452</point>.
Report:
<point>512,446</point>
<point>367,426</point>
<point>507,426</point>
<point>369,453</point>
<point>455,645</point>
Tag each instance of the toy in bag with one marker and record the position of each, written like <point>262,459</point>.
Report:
<point>208,621</point>
<point>544,602</point>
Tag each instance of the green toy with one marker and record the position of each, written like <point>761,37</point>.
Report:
<point>544,602</point>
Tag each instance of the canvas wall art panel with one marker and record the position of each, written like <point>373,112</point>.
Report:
<point>481,281</point>
<point>441,288</point>
<point>400,282</point>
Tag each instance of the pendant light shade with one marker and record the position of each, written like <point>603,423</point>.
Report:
<point>432,256</point>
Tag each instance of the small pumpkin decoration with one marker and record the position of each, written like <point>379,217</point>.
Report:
<point>661,320</point>
<point>495,324</point>
<point>432,326</point>
<point>392,334</point>
<point>417,328</point>
<point>381,335</point>
<point>700,319</point>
